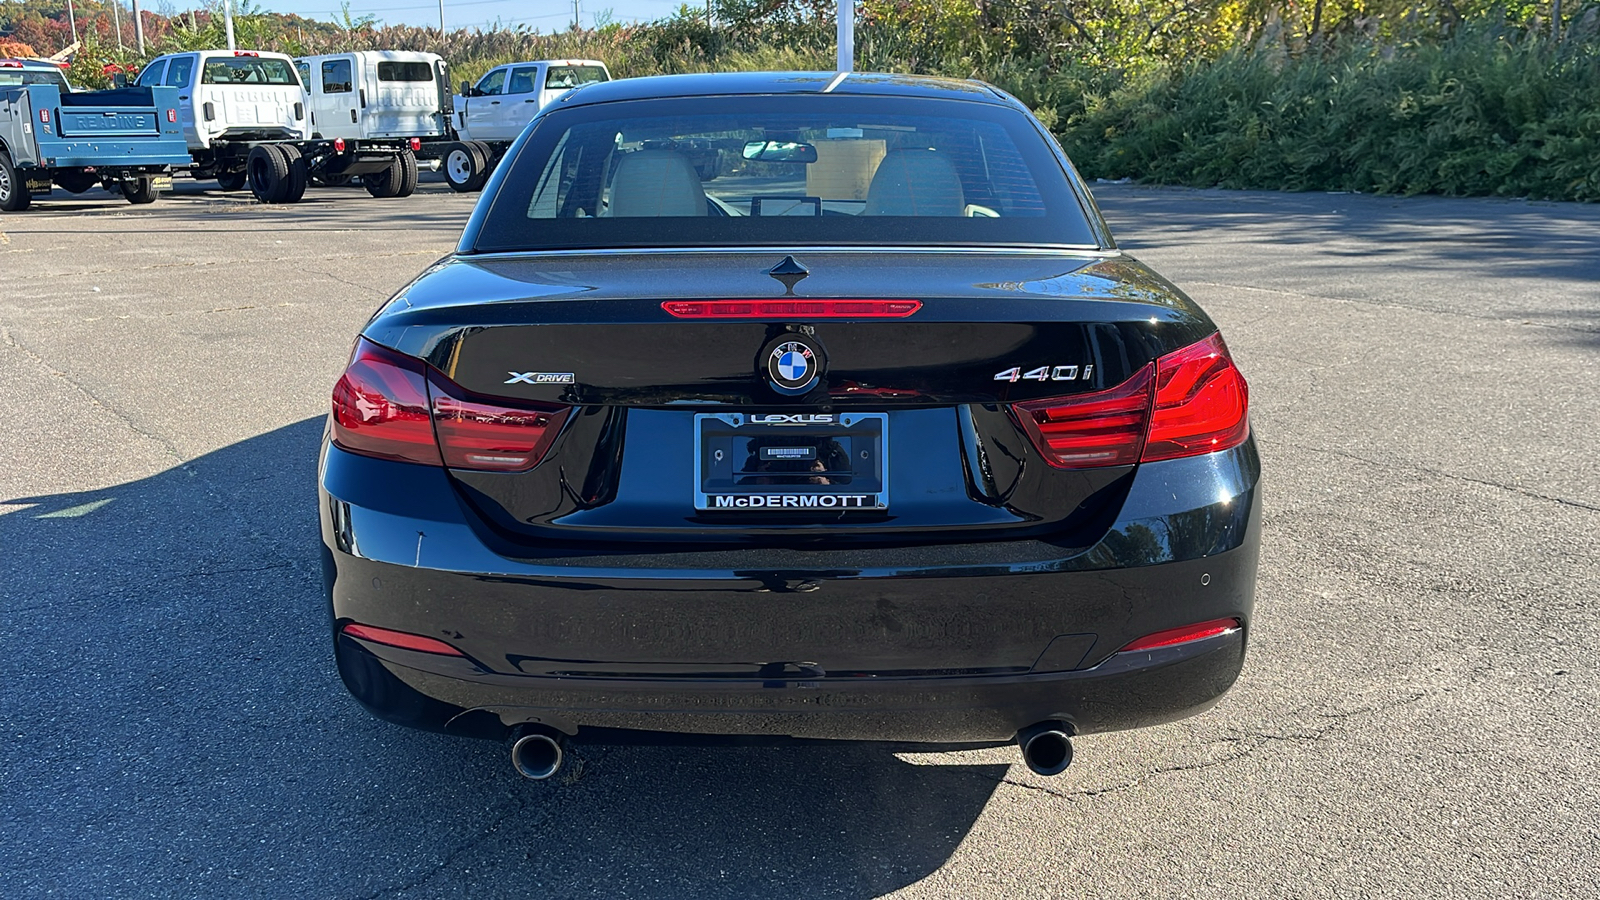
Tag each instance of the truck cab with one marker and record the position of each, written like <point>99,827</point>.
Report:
<point>22,72</point>
<point>233,95</point>
<point>377,94</point>
<point>506,98</point>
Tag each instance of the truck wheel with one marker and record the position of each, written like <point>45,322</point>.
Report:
<point>76,182</point>
<point>140,190</point>
<point>298,176</point>
<point>386,183</point>
<point>14,196</point>
<point>408,172</point>
<point>230,181</point>
<point>485,165</point>
<point>267,171</point>
<point>461,165</point>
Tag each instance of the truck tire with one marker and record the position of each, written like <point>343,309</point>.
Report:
<point>462,162</point>
<point>230,181</point>
<point>408,172</point>
<point>267,171</point>
<point>486,161</point>
<point>14,196</point>
<point>76,181</point>
<point>298,175</point>
<point>388,182</point>
<point>140,190</point>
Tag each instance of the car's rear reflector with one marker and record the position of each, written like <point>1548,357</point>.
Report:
<point>1105,428</point>
<point>380,407</point>
<point>791,309</point>
<point>1202,403</point>
<point>487,436</point>
<point>402,639</point>
<point>1184,635</point>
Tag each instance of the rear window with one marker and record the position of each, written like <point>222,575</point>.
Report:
<point>248,70</point>
<point>786,169</point>
<point>560,77</point>
<point>405,71</point>
<point>18,77</point>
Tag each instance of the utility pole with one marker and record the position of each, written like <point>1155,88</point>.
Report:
<point>73,18</point>
<point>116,20</point>
<point>574,15</point>
<point>227,22</point>
<point>1555,21</point>
<point>138,27</point>
<point>441,18</point>
<point>847,35</point>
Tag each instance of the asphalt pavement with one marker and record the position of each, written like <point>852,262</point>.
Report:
<point>1417,716</point>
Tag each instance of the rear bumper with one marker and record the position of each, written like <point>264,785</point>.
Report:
<point>944,643</point>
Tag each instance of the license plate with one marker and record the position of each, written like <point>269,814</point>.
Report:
<point>792,462</point>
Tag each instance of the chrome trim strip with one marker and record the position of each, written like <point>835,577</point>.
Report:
<point>1060,250</point>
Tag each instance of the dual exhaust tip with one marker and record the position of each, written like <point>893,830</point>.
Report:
<point>538,752</point>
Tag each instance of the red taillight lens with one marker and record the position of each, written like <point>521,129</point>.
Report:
<point>403,639</point>
<point>493,438</point>
<point>791,309</point>
<point>1105,428</point>
<point>338,145</point>
<point>1183,635</point>
<point>44,116</point>
<point>416,144</point>
<point>172,115</point>
<point>380,407</point>
<point>1202,403</point>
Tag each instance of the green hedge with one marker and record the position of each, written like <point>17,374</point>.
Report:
<point>1480,113</point>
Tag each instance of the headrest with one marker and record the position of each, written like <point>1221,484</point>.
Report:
<point>915,183</point>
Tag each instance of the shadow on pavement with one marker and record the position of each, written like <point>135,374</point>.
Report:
<point>174,725</point>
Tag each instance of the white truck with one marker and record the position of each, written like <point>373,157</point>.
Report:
<point>490,114</point>
<point>247,121</point>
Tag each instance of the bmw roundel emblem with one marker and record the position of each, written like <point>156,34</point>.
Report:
<point>793,367</point>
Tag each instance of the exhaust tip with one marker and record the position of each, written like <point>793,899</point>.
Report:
<point>537,756</point>
<point>1046,748</point>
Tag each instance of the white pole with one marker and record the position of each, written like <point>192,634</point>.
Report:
<point>227,22</point>
<point>116,20</point>
<point>847,35</point>
<point>138,27</point>
<point>574,15</point>
<point>73,18</point>
<point>441,18</point>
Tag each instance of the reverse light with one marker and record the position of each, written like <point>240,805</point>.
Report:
<point>380,407</point>
<point>402,639</point>
<point>791,309</point>
<point>490,437</point>
<point>1105,428</point>
<point>1184,635</point>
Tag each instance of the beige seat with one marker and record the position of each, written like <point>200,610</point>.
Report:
<point>656,183</point>
<point>915,183</point>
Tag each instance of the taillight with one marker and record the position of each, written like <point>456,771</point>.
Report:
<point>1195,402</point>
<point>486,436</point>
<point>416,144</point>
<point>1183,635</point>
<point>791,309</point>
<point>1202,403</point>
<point>1105,428</point>
<point>172,115</point>
<point>380,407</point>
<point>44,116</point>
<point>392,406</point>
<point>338,145</point>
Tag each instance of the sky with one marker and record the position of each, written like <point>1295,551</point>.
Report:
<point>544,15</point>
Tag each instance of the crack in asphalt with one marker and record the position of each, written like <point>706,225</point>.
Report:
<point>10,340</point>
<point>1577,504</point>
<point>1246,744</point>
<point>181,576</point>
<point>362,287</point>
<point>1388,304</point>
<point>517,807</point>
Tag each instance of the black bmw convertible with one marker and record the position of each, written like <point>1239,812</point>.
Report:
<point>789,406</point>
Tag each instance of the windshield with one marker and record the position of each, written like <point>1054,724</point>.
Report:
<point>15,77</point>
<point>249,70</point>
<point>787,169</point>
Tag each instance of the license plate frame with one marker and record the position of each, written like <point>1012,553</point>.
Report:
<point>798,459</point>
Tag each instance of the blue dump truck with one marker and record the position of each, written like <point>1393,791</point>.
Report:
<point>126,140</point>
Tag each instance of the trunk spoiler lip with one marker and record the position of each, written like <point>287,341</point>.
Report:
<point>1065,250</point>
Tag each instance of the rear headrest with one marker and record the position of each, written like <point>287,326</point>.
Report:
<point>656,183</point>
<point>915,183</point>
